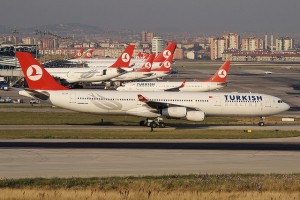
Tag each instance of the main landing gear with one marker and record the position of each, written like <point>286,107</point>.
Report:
<point>153,123</point>
<point>262,121</point>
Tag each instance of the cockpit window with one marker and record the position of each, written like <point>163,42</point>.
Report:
<point>280,101</point>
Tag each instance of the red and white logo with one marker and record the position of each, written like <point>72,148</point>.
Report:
<point>34,72</point>
<point>166,53</point>
<point>167,64</point>
<point>125,57</point>
<point>222,73</point>
<point>79,54</point>
<point>147,65</point>
<point>89,55</point>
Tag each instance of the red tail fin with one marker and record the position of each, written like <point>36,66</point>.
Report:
<point>221,74</point>
<point>166,66</point>
<point>124,60</point>
<point>169,50</point>
<point>88,53</point>
<point>148,64</point>
<point>35,74</point>
<point>78,54</point>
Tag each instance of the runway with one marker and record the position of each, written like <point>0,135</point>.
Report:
<point>90,158</point>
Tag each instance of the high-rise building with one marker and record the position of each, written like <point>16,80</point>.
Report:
<point>158,45</point>
<point>232,41</point>
<point>147,37</point>
<point>217,47</point>
<point>252,44</point>
<point>284,44</point>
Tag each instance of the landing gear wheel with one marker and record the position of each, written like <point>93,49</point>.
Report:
<point>142,123</point>
<point>261,124</point>
<point>153,125</point>
<point>162,125</point>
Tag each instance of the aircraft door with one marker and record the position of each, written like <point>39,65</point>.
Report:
<point>217,101</point>
<point>267,103</point>
<point>72,97</point>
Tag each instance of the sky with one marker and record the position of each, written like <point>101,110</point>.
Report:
<point>203,16</point>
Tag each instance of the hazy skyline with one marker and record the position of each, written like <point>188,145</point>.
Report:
<point>158,15</point>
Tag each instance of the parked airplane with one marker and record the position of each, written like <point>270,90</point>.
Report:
<point>162,71</point>
<point>73,75</point>
<point>137,63</point>
<point>217,81</point>
<point>193,106</point>
<point>140,73</point>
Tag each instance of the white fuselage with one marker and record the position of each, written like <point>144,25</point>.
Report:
<point>105,62</point>
<point>93,62</point>
<point>156,74</point>
<point>73,75</point>
<point>162,86</point>
<point>132,76</point>
<point>127,103</point>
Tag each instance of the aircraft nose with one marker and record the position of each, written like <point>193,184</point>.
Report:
<point>286,106</point>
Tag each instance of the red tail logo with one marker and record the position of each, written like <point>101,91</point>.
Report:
<point>78,54</point>
<point>221,74</point>
<point>148,65</point>
<point>124,60</point>
<point>125,57</point>
<point>166,53</point>
<point>36,76</point>
<point>88,53</point>
<point>34,72</point>
<point>166,66</point>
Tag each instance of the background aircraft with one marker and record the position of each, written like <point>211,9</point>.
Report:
<point>73,75</point>
<point>217,81</point>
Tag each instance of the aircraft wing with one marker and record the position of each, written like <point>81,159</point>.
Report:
<point>160,105</point>
<point>176,89</point>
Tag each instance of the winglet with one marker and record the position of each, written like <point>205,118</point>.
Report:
<point>183,84</point>
<point>35,74</point>
<point>142,98</point>
<point>168,51</point>
<point>124,60</point>
<point>221,74</point>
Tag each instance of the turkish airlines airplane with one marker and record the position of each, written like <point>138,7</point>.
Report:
<point>73,75</point>
<point>217,81</point>
<point>159,59</point>
<point>163,70</point>
<point>140,73</point>
<point>193,106</point>
<point>78,54</point>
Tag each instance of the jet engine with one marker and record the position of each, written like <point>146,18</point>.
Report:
<point>195,116</point>
<point>174,112</point>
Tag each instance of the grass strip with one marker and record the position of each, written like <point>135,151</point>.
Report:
<point>199,182</point>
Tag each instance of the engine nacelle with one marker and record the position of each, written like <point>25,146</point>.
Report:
<point>174,112</point>
<point>197,116</point>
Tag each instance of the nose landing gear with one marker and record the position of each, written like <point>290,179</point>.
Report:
<point>262,121</point>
